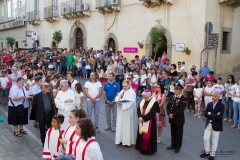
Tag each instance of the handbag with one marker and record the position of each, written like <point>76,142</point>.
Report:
<point>88,66</point>
<point>79,65</point>
<point>20,107</point>
<point>120,77</point>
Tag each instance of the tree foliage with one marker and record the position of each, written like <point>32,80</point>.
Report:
<point>10,41</point>
<point>57,37</point>
<point>157,35</point>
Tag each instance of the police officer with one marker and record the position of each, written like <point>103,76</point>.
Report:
<point>175,111</point>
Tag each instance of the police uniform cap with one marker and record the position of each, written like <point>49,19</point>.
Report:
<point>179,86</point>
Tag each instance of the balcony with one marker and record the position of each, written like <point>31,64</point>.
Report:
<point>234,3</point>
<point>107,6</point>
<point>33,17</point>
<point>148,3</point>
<point>51,13</point>
<point>74,9</point>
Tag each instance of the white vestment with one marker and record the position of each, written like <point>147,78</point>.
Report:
<point>127,121</point>
<point>92,151</point>
<point>65,108</point>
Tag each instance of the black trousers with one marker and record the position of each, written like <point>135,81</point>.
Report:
<point>177,134</point>
<point>47,119</point>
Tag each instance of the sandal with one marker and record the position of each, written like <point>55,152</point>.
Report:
<point>17,134</point>
<point>23,131</point>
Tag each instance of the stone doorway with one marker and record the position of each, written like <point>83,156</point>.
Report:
<point>111,45</point>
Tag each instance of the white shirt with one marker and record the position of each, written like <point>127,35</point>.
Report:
<point>182,69</point>
<point>73,84</point>
<point>135,78</point>
<point>171,88</point>
<point>198,92</point>
<point>93,151</point>
<point>77,98</point>
<point>153,79</point>
<point>237,99</point>
<point>208,90</point>
<point>143,77</point>
<point>4,81</point>
<point>181,82</point>
<point>93,88</point>
<point>219,88</point>
<point>30,83</point>
<point>230,88</point>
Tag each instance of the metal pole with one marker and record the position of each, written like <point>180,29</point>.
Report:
<point>215,64</point>
<point>207,41</point>
<point>201,56</point>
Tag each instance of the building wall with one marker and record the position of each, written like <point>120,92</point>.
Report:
<point>184,21</point>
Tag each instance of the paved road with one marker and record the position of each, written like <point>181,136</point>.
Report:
<point>192,141</point>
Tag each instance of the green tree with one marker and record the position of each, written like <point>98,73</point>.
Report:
<point>57,37</point>
<point>10,41</point>
<point>157,35</point>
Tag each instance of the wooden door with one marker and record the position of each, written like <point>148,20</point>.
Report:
<point>79,38</point>
<point>111,45</point>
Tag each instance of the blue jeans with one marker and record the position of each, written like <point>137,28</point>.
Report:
<point>69,68</point>
<point>236,115</point>
<point>90,107</point>
<point>229,107</point>
<point>92,67</point>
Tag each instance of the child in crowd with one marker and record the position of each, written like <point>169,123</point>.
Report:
<point>143,82</point>
<point>166,83</point>
<point>171,88</point>
<point>128,72</point>
<point>51,143</point>
<point>182,79</point>
<point>69,136</point>
<point>86,147</point>
<point>198,93</point>
<point>208,90</point>
<point>4,87</point>
<point>101,75</point>
<point>135,80</point>
<point>78,95</point>
<point>153,79</point>
<point>219,88</point>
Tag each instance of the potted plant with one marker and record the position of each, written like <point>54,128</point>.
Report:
<point>57,37</point>
<point>187,50</point>
<point>10,41</point>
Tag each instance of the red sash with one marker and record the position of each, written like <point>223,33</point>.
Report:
<point>146,136</point>
<point>84,150</point>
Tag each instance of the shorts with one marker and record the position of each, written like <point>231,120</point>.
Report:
<point>4,92</point>
<point>142,88</point>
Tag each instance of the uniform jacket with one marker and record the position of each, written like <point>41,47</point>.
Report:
<point>217,120</point>
<point>176,106</point>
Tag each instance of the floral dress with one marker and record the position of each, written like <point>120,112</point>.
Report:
<point>160,117</point>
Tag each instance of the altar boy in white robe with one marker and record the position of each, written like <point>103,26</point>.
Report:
<point>86,147</point>
<point>65,101</point>
<point>52,144</point>
<point>126,127</point>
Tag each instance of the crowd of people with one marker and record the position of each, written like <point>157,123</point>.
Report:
<point>44,83</point>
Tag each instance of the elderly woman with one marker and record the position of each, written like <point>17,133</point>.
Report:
<point>18,107</point>
<point>146,141</point>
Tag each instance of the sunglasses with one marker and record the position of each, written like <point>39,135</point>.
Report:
<point>129,78</point>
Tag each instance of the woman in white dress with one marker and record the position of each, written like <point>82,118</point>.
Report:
<point>78,96</point>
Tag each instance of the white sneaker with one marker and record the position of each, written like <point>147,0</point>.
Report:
<point>113,129</point>
<point>107,128</point>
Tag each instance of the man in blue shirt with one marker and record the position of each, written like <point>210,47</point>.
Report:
<point>204,70</point>
<point>111,90</point>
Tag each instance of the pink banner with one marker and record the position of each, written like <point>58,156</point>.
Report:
<point>130,50</point>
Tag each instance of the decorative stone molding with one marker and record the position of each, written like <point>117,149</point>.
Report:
<point>72,35</point>
<point>111,35</point>
<point>148,3</point>
<point>148,45</point>
<point>234,3</point>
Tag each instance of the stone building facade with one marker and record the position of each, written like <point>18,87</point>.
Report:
<point>118,24</point>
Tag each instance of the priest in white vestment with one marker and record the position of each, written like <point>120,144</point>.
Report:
<point>65,101</point>
<point>126,127</point>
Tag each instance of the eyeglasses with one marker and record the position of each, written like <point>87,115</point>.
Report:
<point>229,78</point>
